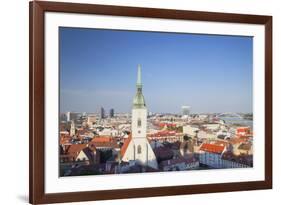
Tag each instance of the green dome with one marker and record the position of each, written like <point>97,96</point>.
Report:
<point>139,101</point>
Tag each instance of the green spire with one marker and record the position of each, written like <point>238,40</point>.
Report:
<point>139,99</point>
<point>139,76</point>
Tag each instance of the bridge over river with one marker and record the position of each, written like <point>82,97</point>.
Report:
<point>235,118</point>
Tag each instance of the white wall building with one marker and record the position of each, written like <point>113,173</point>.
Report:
<point>180,164</point>
<point>212,126</point>
<point>190,130</point>
<point>91,120</point>
<point>206,134</point>
<point>211,155</point>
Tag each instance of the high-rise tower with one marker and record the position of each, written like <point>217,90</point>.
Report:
<point>102,113</point>
<point>111,113</point>
<point>139,148</point>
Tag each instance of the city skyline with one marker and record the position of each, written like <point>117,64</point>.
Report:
<point>97,69</point>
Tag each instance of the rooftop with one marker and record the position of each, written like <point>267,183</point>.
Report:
<point>213,148</point>
<point>125,145</point>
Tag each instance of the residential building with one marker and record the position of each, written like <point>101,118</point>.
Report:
<point>190,130</point>
<point>179,164</point>
<point>210,155</point>
<point>91,120</point>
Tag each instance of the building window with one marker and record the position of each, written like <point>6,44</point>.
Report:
<point>139,149</point>
<point>139,122</point>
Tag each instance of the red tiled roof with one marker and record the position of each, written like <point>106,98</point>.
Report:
<point>221,143</point>
<point>236,140</point>
<point>164,133</point>
<point>74,149</point>
<point>104,142</point>
<point>112,144</point>
<point>167,124</point>
<point>243,129</point>
<point>218,149</point>
<point>102,139</point>
<point>125,145</point>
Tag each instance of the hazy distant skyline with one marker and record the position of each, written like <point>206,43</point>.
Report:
<point>210,73</point>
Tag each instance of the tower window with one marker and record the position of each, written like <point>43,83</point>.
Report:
<point>139,149</point>
<point>139,122</point>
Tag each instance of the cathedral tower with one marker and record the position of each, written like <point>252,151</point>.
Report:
<point>139,148</point>
<point>72,128</point>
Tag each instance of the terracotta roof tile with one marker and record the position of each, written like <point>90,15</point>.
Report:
<point>218,149</point>
<point>102,139</point>
<point>125,145</point>
<point>75,148</point>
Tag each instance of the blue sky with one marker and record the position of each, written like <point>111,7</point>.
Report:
<point>210,73</point>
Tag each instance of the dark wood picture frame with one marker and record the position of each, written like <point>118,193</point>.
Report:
<point>37,96</point>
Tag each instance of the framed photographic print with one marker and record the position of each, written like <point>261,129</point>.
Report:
<point>139,102</point>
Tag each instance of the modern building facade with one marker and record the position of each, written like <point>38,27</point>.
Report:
<point>111,113</point>
<point>72,116</point>
<point>102,113</point>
